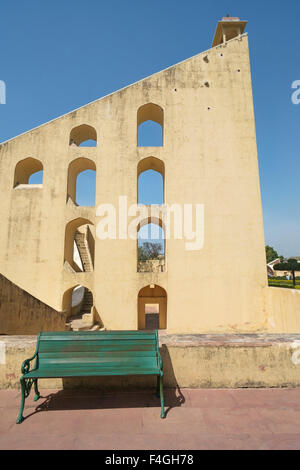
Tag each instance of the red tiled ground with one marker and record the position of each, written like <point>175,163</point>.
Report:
<point>199,419</point>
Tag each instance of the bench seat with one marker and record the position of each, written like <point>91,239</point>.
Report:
<point>89,369</point>
<point>92,354</point>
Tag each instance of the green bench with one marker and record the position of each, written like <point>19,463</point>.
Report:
<point>91,354</point>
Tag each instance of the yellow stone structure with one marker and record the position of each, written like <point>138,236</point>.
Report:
<point>209,156</point>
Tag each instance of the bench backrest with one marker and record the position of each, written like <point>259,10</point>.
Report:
<point>82,345</point>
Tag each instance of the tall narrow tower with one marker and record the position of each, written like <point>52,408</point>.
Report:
<point>207,157</point>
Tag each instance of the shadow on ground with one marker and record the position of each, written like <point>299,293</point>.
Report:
<point>91,400</point>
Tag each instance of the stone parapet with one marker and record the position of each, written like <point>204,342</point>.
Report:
<point>190,361</point>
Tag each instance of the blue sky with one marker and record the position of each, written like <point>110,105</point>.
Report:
<point>59,55</point>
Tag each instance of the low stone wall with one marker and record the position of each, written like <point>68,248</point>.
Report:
<point>190,361</point>
<point>232,361</point>
<point>151,266</point>
<point>23,314</point>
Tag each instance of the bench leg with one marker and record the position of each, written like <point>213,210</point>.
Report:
<point>36,390</point>
<point>157,387</point>
<point>162,414</point>
<point>20,415</point>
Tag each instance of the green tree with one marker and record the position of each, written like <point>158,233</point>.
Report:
<point>141,254</point>
<point>292,265</point>
<point>149,250</point>
<point>271,254</point>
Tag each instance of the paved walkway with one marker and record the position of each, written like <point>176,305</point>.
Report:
<point>196,419</point>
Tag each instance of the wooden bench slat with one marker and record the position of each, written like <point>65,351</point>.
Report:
<point>116,365</point>
<point>94,346</point>
<point>93,368</point>
<point>97,354</point>
<point>135,333</point>
<point>104,360</point>
<point>90,373</point>
<point>105,337</point>
<point>100,341</point>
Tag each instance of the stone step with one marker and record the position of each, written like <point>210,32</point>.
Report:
<point>82,248</point>
<point>95,328</point>
<point>80,325</point>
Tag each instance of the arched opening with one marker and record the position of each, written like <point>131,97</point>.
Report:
<point>152,308</point>
<point>28,172</point>
<point>83,136</point>
<point>79,245</point>
<point>82,182</point>
<point>77,301</point>
<point>151,246</point>
<point>150,125</point>
<point>151,175</point>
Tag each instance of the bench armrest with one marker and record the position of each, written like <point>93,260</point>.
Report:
<point>26,364</point>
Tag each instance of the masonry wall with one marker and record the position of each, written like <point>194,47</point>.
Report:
<point>21,313</point>
<point>283,310</point>
<point>210,158</point>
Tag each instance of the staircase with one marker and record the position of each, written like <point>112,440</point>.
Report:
<point>87,302</point>
<point>84,321</point>
<point>83,251</point>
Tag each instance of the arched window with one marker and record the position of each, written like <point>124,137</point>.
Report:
<point>151,246</point>
<point>77,301</point>
<point>152,308</point>
<point>79,245</point>
<point>82,181</point>
<point>151,173</point>
<point>28,172</point>
<point>150,125</point>
<point>83,136</point>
